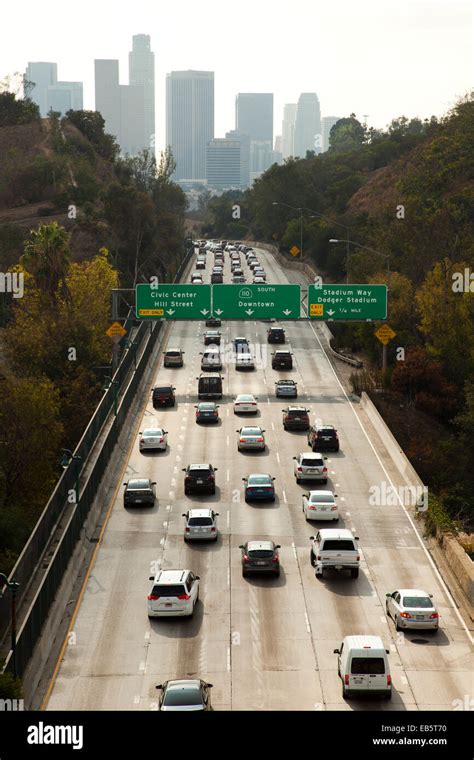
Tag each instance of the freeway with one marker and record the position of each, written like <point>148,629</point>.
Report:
<point>263,643</point>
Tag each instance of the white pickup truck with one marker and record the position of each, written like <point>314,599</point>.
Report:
<point>336,549</point>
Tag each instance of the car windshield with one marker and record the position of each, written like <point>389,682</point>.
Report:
<point>188,695</point>
<point>168,589</point>
<point>199,473</point>
<point>256,480</point>
<point>200,521</point>
<point>320,498</point>
<point>368,665</point>
<point>152,433</point>
<point>297,413</point>
<point>421,602</point>
<point>260,553</point>
<point>173,353</point>
<point>251,431</point>
<point>135,485</point>
<point>338,544</point>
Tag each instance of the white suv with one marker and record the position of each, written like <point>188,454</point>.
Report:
<point>174,594</point>
<point>310,467</point>
<point>200,524</point>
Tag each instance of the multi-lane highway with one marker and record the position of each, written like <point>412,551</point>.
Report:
<point>264,643</point>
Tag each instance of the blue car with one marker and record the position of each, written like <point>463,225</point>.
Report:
<point>259,486</point>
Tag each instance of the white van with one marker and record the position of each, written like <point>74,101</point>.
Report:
<point>211,359</point>
<point>363,667</point>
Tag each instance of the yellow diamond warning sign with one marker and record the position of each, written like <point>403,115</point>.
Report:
<point>295,250</point>
<point>316,309</point>
<point>385,334</point>
<point>115,329</point>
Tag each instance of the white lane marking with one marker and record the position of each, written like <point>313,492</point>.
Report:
<point>278,457</point>
<point>294,550</point>
<point>142,667</point>
<point>228,519</point>
<point>181,437</point>
<point>342,498</point>
<point>175,469</point>
<point>183,427</point>
<point>228,576</point>
<point>348,514</point>
<point>173,481</point>
<point>284,497</point>
<point>268,400</point>
<point>162,541</point>
<point>404,680</point>
<point>180,446</point>
<point>227,411</point>
<point>178,458</point>
<point>171,495</point>
<point>308,627</point>
<point>273,425</point>
<point>228,475</point>
<point>382,618</point>
<point>147,635</point>
<point>228,658</point>
<point>393,648</point>
<point>136,699</point>
<point>227,440</point>
<point>396,491</point>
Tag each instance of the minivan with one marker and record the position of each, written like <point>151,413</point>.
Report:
<point>363,667</point>
<point>209,385</point>
<point>211,359</point>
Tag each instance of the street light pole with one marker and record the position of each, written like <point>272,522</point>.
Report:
<point>12,586</point>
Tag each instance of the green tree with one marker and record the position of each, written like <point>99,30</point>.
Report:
<point>47,258</point>
<point>14,112</point>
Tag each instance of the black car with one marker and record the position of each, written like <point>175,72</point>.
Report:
<point>212,337</point>
<point>199,478</point>
<point>163,395</point>
<point>139,491</point>
<point>185,694</point>
<point>296,418</point>
<point>286,389</point>
<point>260,557</point>
<point>282,360</point>
<point>217,279</point>
<point>206,411</point>
<point>213,322</point>
<point>276,335</point>
<point>323,437</point>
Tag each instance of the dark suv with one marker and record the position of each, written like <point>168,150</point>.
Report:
<point>260,557</point>
<point>282,360</point>
<point>323,438</point>
<point>296,418</point>
<point>163,395</point>
<point>276,335</point>
<point>199,478</point>
<point>139,491</point>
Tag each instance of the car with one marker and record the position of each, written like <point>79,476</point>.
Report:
<point>196,279</point>
<point>217,279</point>
<point>412,608</point>
<point>245,403</point>
<point>282,360</point>
<point>212,337</point>
<point>254,264</point>
<point>173,357</point>
<point>244,360</point>
<point>286,389</point>
<point>320,505</point>
<point>174,593</point>
<point>206,411</point>
<point>276,335</point>
<point>259,486</point>
<point>213,322</point>
<point>237,271</point>
<point>260,557</point>
<point>199,478</point>
<point>218,267</point>
<point>310,467</point>
<point>238,279</point>
<point>260,274</point>
<point>258,281</point>
<point>323,438</point>
<point>363,667</point>
<point>185,695</point>
<point>201,263</point>
<point>251,439</point>
<point>334,549</point>
<point>139,491</point>
<point>200,525</point>
<point>296,418</point>
<point>163,395</point>
<point>153,438</point>
<point>211,359</point>
<point>240,342</point>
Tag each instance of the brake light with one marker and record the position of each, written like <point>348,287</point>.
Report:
<point>188,530</point>
<point>318,557</point>
<point>210,477</point>
<point>325,469</point>
<point>275,558</point>
<point>346,680</point>
<point>142,440</point>
<point>259,440</point>
<point>333,509</point>
<point>152,598</point>
<point>215,414</point>
<point>187,477</point>
<point>389,680</point>
<point>358,558</point>
<point>434,616</point>
<point>161,440</point>
<point>242,440</point>
<point>246,557</point>
<point>299,469</point>
<point>405,615</point>
<point>184,596</point>
<point>213,530</point>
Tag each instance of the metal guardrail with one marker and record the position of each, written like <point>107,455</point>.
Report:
<point>58,505</point>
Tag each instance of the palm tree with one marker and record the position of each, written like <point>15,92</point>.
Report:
<point>47,258</point>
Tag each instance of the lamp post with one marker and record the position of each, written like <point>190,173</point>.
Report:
<point>12,586</point>
<point>111,384</point>
<point>385,256</point>
<point>66,460</point>
<point>275,203</point>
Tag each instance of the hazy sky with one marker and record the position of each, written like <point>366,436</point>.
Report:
<point>383,58</point>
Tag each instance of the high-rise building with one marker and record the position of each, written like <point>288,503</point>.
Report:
<point>223,163</point>
<point>288,130</point>
<point>141,64</point>
<point>308,125</point>
<point>327,123</point>
<point>48,93</point>
<point>244,139</point>
<point>189,120</point>
<point>254,115</point>
<point>107,95</point>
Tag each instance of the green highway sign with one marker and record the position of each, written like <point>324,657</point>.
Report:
<point>172,301</point>
<point>256,301</point>
<point>346,302</point>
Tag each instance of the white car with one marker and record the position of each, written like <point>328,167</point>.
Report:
<point>258,281</point>
<point>196,279</point>
<point>310,467</point>
<point>200,525</point>
<point>320,505</point>
<point>412,608</point>
<point>174,593</point>
<point>245,402</point>
<point>244,360</point>
<point>153,438</point>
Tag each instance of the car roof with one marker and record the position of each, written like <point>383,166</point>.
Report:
<point>250,427</point>
<point>171,576</point>
<point>411,592</point>
<point>173,348</point>
<point>184,684</point>
<point>259,475</point>
<point>320,493</point>
<point>240,395</point>
<point>199,512</point>
<point>311,455</point>
<point>252,545</point>
<point>361,641</point>
<point>336,533</point>
<point>297,406</point>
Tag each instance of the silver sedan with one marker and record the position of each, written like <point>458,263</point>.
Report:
<point>412,608</point>
<point>251,439</point>
<point>153,438</point>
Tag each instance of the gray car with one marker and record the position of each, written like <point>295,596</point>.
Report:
<point>200,525</point>
<point>251,439</point>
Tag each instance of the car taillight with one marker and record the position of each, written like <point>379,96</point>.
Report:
<point>405,615</point>
<point>187,477</point>
<point>434,616</point>
<point>346,680</point>
<point>253,403</point>
<point>318,557</point>
<point>325,469</point>
<point>142,440</point>
<point>358,558</point>
<point>259,440</point>
<point>333,509</point>
<point>299,469</point>
<point>215,414</point>
<point>188,530</point>
<point>161,440</point>
<point>213,530</point>
<point>184,596</point>
<point>210,477</point>
<point>389,680</point>
<point>152,598</point>
<point>275,558</point>
<point>242,440</point>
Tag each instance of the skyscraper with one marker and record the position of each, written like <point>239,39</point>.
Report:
<point>244,139</point>
<point>308,125</point>
<point>141,64</point>
<point>223,163</point>
<point>189,120</point>
<point>48,93</point>
<point>107,95</point>
<point>288,129</point>
<point>327,123</point>
<point>254,115</point>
